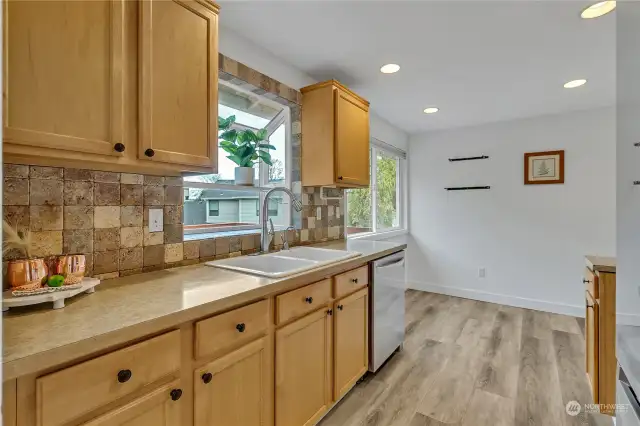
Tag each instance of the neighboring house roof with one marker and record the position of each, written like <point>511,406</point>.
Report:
<point>232,193</point>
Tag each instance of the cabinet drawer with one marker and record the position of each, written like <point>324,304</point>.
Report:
<point>234,327</point>
<point>303,300</point>
<point>67,394</point>
<point>591,283</point>
<point>350,281</point>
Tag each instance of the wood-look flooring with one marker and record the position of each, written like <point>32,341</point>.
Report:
<point>471,363</point>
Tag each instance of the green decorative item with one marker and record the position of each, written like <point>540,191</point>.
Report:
<point>55,281</point>
<point>245,148</point>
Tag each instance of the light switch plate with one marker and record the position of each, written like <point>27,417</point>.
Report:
<point>155,220</point>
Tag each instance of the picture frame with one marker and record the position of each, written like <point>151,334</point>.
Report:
<point>544,168</point>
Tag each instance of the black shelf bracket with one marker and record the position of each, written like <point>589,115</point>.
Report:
<point>466,188</point>
<point>481,157</point>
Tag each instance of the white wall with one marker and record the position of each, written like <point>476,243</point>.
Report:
<point>531,239</point>
<point>628,132</point>
<point>239,48</point>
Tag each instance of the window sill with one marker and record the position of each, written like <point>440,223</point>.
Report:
<point>382,235</point>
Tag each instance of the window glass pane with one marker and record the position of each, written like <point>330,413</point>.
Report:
<point>386,191</point>
<point>277,172</point>
<point>359,211</point>
<point>214,210</point>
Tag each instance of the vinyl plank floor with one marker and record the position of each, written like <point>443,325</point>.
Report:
<point>471,363</point>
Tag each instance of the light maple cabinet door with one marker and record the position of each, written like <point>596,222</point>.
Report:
<point>157,408</point>
<point>178,82</point>
<point>592,344</point>
<point>351,336</point>
<point>62,75</point>
<point>351,140</point>
<point>237,389</point>
<point>304,370</point>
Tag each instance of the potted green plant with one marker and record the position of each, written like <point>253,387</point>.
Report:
<point>245,148</point>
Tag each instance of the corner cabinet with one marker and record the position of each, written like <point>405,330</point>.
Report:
<point>179,82</point>
<point>63,88</point>
<point>335,146</point>
<point>113,85</point>
<point>600,337</point>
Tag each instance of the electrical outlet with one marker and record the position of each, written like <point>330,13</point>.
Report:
<point>482,272</point>
<point>155,220</point>
<point>319,213</point>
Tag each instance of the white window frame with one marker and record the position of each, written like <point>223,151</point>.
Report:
<point>400,197</point>
<point>284,117</point>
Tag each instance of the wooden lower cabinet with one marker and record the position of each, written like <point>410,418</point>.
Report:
<point>303,369</point>
<point>236,389</point>
<point>161,407</point>
<point>591,336</point>
<point>351,336</point>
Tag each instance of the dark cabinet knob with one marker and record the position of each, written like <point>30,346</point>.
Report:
<point>207,377</point>
<point>149,152</point>
<point>354,280</point>
<point>309,300</point>
<point>240,327</point>
<point>124,376</point>
<point>585,281</point>
<point>339,177</point>
<point>330,312</point>
<point>340,307</point>
<point>119,147</point>
<point>176,394</point>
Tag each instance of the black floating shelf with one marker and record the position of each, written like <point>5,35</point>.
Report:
<point>481,157</point>
<point>467,188</point>
<point>637,144</point>
<point>637,182</point>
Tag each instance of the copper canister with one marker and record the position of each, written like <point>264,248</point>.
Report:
<point>71,266</point>
<point>26,274</point>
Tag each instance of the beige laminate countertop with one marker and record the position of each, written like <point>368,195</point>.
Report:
<point>128,308</point>
<point>601,264</point>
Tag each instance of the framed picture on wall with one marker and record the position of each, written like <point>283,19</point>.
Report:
<point>543,167</point>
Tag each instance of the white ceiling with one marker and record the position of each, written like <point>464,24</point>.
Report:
<point>478,61</point>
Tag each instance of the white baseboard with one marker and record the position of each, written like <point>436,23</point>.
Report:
<point>503,299</point>
<point>518,302</point>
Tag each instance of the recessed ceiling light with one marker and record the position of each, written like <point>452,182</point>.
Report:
<point>390,68</point>
<point>598,9</point>
<point>574,83</point>
<point>431,110</point>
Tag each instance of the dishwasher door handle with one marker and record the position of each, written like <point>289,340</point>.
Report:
<point>391,262</point>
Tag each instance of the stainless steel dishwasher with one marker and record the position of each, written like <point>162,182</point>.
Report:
<point>387,308</point>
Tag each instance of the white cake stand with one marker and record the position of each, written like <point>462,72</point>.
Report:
<point>57,297</point>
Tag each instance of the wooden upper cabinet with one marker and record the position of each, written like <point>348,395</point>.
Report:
<point>335,146</point>
<point>161,407</point>
<point>63,83</point>
<point>179,82</point>
<point>237,389</point>
<point>351,336</point>
<point>304,370</point>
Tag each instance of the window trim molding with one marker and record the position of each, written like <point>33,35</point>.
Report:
<point>401,176</point>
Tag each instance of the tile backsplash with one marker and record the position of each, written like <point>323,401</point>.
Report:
<point>105,216</point>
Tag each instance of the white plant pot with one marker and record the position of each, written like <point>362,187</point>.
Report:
<point>244,176</point>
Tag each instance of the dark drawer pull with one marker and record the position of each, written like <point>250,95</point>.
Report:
<point>207,377</point>
<point>330,312</point>
<point>240,327</point>
<point>340,307</point>
<point>585,281</point>
<point>149,152</point>
<point>309,300</point>
<point>339,177</point>
<point>124,375</point>
<point>119,147</point>
<point>354,280</point>
<point>176,394</point>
